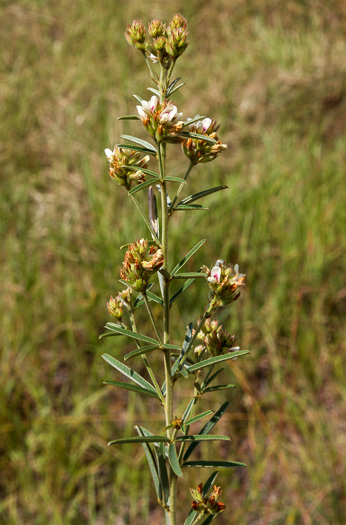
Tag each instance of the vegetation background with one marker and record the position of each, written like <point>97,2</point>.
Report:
<point>273,74</point>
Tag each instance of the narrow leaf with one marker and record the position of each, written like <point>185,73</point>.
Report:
<point>217,388</point>
<point>133,388</point>
<point>181,290</point>
<point>152,297</point>
<point>188,256</point>
<point>153,90</point>
<point>168,346</point>
<point>140,351</point>
<point>137,148</point>
<point>176,367</point>
<point>196,207</point>
<point>128,372</point>
<point>197,118</point>
<point>175,179</point>
<point>173,83</point>
<point>203,437</point>
<point>209,519</point>
<point>209,483</point>
<point>208,380</point>
<point>215,360</point>
<point>152,464</point>
<point>201,194</point>
<point>139,141</point>
<point>189,275</point>
<point>188,135</point>
<point>140,187</point>
<point>207,428</point>
<point>161,462</point>
<point>176,88</point>
<point>138,98</point>
<point>129,117</point>
<point>173,459</point>
<point>140,439</point>
<point>134,335</point>
<point>197,418</point>
<point>224,464</point>
<point>188,410</point>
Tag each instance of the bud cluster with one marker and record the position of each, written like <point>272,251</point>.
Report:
<point>224,282</point>
<point>215,339</point>
<point>115,304</point>
<point>121,161</point>
<point>160,120</point>
<point>198,150</point>
<point>205,505</point>
<point>140,263</point>
<point>167,42</point>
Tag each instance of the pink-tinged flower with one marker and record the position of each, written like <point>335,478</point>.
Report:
<point>199,150</point>
<point>122,163</point>
<point>160,120</point>
<point>215,275</point>
<point>224,282</point>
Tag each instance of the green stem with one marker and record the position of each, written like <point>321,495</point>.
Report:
<point>198,329</point>
<point>191,165</point>
<point>146,362</point>
<point>147,304</point>
<point>155,237</point>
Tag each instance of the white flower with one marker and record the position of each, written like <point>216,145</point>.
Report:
<point>169,114</point>
<point>109,154</point>
<point>153,58</point>
<point>147,108</point>
<point>201,126</point>
<point>215,275</point>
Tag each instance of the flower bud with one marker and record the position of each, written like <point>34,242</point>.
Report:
<point>176,42</point>
<point>215,339</point>
<point>156,28</point>
<point>136,35</point>
<point>115,307</point>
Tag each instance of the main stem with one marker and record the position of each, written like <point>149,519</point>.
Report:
<point>166,306</point>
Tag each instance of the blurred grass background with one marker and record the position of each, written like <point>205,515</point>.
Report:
<point>273,74</point>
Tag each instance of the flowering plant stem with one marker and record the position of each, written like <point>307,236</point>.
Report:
<point>168,454</point>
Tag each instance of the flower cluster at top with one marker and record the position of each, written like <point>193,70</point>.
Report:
<point>116,304</point>
<point>165,43</point>
<point>215,339</point>
<point>205,505</point>
<point>140,263</point>
<point>198,150</point>
<point>224,282</point>
<point>161,120</point>
<point>125,166</point>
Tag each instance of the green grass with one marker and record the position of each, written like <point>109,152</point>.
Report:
<point>273,74</point>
